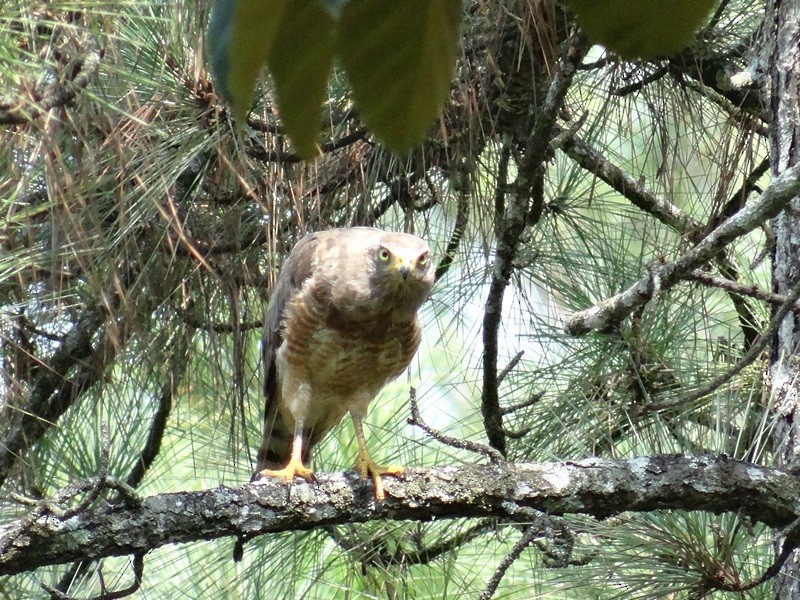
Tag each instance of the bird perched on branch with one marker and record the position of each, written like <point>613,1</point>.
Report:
<point>341,323</point>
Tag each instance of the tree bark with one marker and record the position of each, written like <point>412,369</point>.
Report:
<point>54,533</point>
<point>783,26</point>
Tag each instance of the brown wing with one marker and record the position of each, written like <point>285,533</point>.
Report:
<point>277,437</point>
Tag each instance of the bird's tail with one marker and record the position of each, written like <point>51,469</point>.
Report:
<point>276,443</point>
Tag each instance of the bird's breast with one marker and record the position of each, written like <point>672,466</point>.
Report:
<point>347,357</point>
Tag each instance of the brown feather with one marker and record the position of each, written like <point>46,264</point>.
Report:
<point>342,322</point>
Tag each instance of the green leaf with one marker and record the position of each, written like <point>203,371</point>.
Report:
<point>240,37</point>
<point>300,63</point>
<point>399,58</point>
<point>642,28</point>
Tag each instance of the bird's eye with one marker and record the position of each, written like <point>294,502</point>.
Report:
<point>423,260</point>
<point>383,254</point>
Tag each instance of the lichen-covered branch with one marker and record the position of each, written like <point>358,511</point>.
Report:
<point>610,312</point>
<point>594,486</point>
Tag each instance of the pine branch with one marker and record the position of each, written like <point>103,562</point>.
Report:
<point>54,390</point>
<point>594,486</point>
<point>524,208</point>
<point>610,312</point>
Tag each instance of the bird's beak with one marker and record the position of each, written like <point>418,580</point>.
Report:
<point>404,269</point>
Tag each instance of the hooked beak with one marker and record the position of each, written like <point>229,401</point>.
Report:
<point>404,269</point>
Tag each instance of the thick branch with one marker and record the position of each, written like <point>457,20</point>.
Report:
<point>610,312</point>
<point>594,486</point>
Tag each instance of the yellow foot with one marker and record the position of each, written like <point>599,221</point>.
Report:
<point>289,472</point>
<point>367,467</point>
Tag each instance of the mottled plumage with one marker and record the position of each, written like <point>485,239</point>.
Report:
<point>342,322</point>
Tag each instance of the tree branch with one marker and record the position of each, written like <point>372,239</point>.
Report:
<point>54,391</point>
<point>594,486</point>
<point>608,313</point>
<point>524,208</point>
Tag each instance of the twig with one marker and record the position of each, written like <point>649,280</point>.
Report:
<point>374,552</point>
<point>742,289</point>
<point>265,155</point>
<point>462,218</point>
<point>790,545</point>
<point>611,311</point>
<point>197,323</point>
<point>528,536</point>
<point>524,404</point>
<point>448,440</point>
<point>81,72</point>
<point>627,90</point>
<point>138,571</point>
<point>510,367</point>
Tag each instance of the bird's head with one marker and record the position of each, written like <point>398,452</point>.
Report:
<point>404,271</point>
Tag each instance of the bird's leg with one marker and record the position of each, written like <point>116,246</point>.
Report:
<point>295,466</point>
<point>366,466</point>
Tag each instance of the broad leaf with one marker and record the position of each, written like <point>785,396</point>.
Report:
<point>240,37</point>
<point>300,63</point>
<point>642,28</point>
<point>399,58</point>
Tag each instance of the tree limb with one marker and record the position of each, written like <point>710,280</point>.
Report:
<point>594,486</point>
<point>608,313</point>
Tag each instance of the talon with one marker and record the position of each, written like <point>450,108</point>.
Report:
<point>365,466</point>
<point>289,472</point>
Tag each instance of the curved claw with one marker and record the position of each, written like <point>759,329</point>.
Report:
<point>294,469</point>
<point>365,466</point>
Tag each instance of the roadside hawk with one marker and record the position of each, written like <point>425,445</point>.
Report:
<point>341,323</point>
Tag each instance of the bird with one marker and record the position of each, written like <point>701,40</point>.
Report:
<point>341,323</point>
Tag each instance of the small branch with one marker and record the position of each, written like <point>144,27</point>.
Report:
<point>81,71</point>
<point>265,155</point>
<point>634,191</point>
<point>610,312</point>
<point>524,208</point>
<point>528,536</point>
<point>448,440</point>
<point>462,218</point>
<point>53,392</point>
<point>659,208</point>
<point>742,289</point>
<point>595,486</point>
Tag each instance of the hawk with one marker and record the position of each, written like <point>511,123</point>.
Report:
<point>341,323</point>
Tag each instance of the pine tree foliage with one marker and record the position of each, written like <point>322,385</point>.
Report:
<point>142,232</point>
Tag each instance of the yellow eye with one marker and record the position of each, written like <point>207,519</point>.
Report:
<point>423,260</point>
<point>383,254</point>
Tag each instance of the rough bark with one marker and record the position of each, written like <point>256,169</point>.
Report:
<point>783,16</point>
<point>594,486</point>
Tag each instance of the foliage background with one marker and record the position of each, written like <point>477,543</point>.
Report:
<point>135,217</point>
